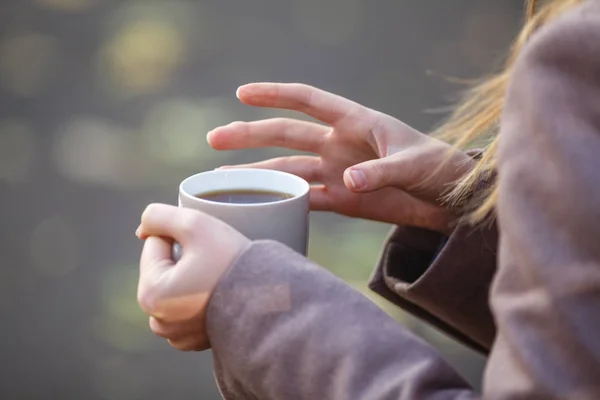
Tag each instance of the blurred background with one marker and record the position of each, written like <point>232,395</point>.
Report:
<point>104,108</point>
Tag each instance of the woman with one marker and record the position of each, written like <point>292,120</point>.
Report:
<point>282,328</point>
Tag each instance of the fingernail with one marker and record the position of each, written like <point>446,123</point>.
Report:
<point>357,179</point>
<point>237,92</point>
<point>208,136</point>
<point>138,231</point>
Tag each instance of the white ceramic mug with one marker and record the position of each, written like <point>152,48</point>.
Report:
<point>285,221</point>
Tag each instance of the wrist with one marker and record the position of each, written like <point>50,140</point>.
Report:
<point>232,251</point>
<point>439,220</point>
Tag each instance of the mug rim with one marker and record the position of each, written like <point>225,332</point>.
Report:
<point>302,182</point>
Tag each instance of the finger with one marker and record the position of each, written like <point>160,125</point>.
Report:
<point>140,235</point>
<point>319,198</point>
<point>183,225</point>
<point>277,132</point>
<point>376,174</point>
<point>324,106</point>
<point>191,343</point>
<point>174,330</point>
<point>410,172</point>
<point>156,254</point>
<point>306,167</point>
<point>154,262</point>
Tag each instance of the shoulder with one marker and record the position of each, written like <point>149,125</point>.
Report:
<point>569,41</point>
<point>554,86</point>
<point>550,129</point>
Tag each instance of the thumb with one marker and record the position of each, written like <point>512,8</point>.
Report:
<point>154,263</point>
<point>156,258</point>
<point>183,225</point>
<point>376,174</point>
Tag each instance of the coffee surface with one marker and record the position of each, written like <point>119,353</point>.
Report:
<point>244,196</point>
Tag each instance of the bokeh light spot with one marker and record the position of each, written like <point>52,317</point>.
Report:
<point>26,61</point>
<point>55,247</point>
<point>174,131</point>
<point>90,149</point>
<point>17,150</point>
<point>330,22</point>
<point>122,324</point>
<point>121,336</point>
<point>119,291</point>
<point>142,56</point>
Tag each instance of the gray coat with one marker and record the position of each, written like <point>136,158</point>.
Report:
<point>526,292</point>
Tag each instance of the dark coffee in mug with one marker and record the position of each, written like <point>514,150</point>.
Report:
<point>244,196</point>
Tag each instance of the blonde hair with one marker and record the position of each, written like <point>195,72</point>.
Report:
<point>475,121</point>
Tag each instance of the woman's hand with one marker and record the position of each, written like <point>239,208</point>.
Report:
<point>176,295</point>
<point>366,164</point>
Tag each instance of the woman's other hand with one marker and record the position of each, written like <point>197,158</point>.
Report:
<point>176,295</point>
<point>366,164</point>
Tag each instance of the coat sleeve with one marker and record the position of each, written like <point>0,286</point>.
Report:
<point>443,281</point>
<point>283,328</point>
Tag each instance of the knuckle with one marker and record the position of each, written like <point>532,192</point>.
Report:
<point>152,294</point>
<point>318,169</point>
<point>157,328</point>
<point>383,174</point>
<point>280,121</point>
<point>185,344</point>
<point>413,180</point>
<point>278,163</point>
<point>376,132</point>
<point>240,126</point>
<point>148,300</point>
<point>319,142</point>
<point>190,225</point>
<point>418,179</point>
<point>149,212</point>
<point>301,87</point>
<point>305,94</point>
<point>376,120</point>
